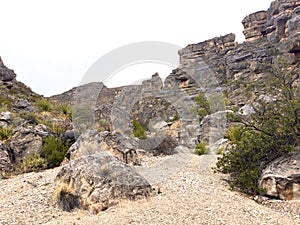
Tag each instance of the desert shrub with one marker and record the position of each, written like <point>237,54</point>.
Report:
<point>6,103</point>
<point>201,149</point>
<point>271,132</point>
<point>45,105</point>
<point>54,151</point>
<point>33,162</point>
<point>235,133</point>
<point>139,131</point>
<point>5,133</point>
<point>202,102</point>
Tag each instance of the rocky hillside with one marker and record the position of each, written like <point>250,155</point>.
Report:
<point>120,130</point>
<point>27,120</point>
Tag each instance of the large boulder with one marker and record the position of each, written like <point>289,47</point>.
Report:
<point>159,145</point>
<point>281,178</point>
<point>6,74</point>
<point>212,129</point>
<point>26,141</point>
<point>92,142</point>
<point>94,182</point>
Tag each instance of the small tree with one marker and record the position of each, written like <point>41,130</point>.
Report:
<point>271,132</point>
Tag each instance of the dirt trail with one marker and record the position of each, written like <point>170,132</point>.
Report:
<point>192,194</point>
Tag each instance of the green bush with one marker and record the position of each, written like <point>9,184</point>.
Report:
<point>54,151</point>
<point>235,133</point>
<point>139,131</point>
<point>33,162</point>
<point>202,102</point>
<point>5,133</point>
<point>201,149</point>
<point>273,131</point>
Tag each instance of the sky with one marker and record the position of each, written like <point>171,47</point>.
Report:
<point>52,44</point>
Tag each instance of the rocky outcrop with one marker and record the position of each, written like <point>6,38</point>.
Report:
<point>212,129</point>
<point>255,25</point>
<point>95,182</point>
<point>281,179</point>
<point>279,22</point>
<point>26,141</point>
<point>6,164</point>
<point>6,75</point>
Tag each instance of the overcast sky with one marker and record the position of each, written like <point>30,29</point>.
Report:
<point>51,44</point>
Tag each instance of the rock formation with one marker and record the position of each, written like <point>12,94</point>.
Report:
<point>281,179</point>
<point>6,74</point>
<point>95,182</point>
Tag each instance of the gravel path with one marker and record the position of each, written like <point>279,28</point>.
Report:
<point>192,194</point>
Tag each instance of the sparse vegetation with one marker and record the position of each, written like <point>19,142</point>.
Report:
<point>54,151</point>
<point>139,131</point>
<point>45,105</point>
<point>33,162</point>
<point>5,133</point>
<point>201,149</point>
<point>32,118</point>
<point>65,109</point>
<point>202,102</point>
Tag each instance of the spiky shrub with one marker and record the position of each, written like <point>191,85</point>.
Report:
<point>45,105</point>
<point>65,109</point>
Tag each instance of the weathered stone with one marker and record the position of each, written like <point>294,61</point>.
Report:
<point>95,182</point>
<point>5,73</point>
<point>281,178</point>
<point>26,141</point>
<point>254,25</point>
<point>112,143</point>
<point>68,136</point>
<point>6,116</point>
<point>6,164</point>
<point>159,145</point>
<point>24,104</point>
<point>212,128</point>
